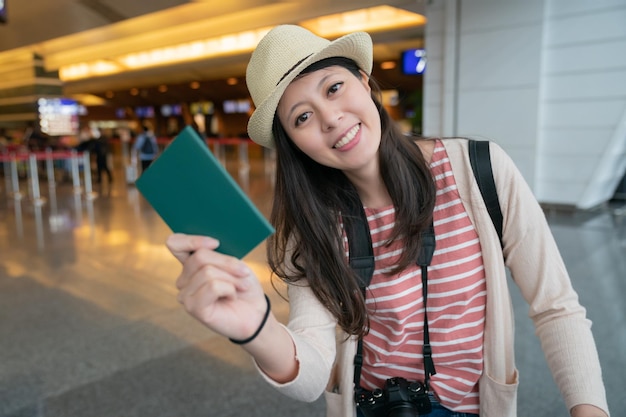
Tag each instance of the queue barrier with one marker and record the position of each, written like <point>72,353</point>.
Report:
<point>218,147</point>
<point>73,161</point>
<point>219,144</point>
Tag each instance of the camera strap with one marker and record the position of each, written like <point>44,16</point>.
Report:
<point>362,262</point>
<point>423,260</point>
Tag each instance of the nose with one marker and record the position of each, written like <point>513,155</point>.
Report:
<point>330,115</point>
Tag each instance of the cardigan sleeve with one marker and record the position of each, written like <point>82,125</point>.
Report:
<point>538,269</point>
<point>312,328</point>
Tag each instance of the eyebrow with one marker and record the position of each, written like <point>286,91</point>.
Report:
<point>319,85</point>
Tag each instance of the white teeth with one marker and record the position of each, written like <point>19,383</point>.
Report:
<point>348,138</point>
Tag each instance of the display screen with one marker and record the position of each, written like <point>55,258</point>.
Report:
<point>168,110</point>
<point>3,11</point>
<point>143,112</point>
<point>58,116</point>
<point>413,61</point>
<point>201,107</point>
<point>236,106</point>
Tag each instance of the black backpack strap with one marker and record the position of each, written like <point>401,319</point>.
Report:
<point>480,159</point>
<point>359,242</point>
<point>361,261</point>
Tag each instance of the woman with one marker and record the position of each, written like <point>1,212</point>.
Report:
<point>336,144</point>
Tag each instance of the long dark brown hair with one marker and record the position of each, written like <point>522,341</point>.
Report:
<point>307,248</point>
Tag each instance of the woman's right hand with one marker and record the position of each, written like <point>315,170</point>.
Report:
<point>220,291</point>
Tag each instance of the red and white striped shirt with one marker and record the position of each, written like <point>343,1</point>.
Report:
<point>456,302</point>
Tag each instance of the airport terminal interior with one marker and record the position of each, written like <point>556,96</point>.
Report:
<point>90,325</point>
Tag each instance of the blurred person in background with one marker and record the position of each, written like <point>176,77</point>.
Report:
<point>146,147</point>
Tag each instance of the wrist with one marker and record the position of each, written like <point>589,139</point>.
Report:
<point>587,410</point>
<point>258,330</point>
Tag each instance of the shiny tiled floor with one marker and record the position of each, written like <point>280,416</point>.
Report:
<point>90,326</point>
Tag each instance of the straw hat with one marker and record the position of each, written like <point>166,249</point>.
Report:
<point>280,56</point>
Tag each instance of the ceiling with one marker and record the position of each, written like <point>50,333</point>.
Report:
<point>72,31</point>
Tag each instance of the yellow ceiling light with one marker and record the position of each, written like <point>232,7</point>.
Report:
<point>369,20</point>
<point>222,45</point>
<point>89,99</point>
<point>202,49</point>
<point>91,69</point>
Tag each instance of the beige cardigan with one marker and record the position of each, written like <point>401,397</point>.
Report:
<point>326,356</point>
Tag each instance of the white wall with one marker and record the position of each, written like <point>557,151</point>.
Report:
<point>546,79</point>
<point>582,154</point>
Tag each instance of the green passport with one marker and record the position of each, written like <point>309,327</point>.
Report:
<point>194,194</point>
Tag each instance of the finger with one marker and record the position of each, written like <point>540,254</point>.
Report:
<point>182,245</point>
<point>206,278</point>
<point>206,298</point>
<point>229,264</point>
<point>206,264</point>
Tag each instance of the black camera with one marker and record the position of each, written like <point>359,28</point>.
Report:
<point>399,398</point>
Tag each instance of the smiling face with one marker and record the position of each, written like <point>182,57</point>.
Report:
<point>330,116</point>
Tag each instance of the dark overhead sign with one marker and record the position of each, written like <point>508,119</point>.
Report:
<point>3,11</point>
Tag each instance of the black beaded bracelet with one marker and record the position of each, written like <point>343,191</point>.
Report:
<point>251,338</point>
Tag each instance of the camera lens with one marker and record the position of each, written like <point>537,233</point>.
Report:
<point>403,409</point>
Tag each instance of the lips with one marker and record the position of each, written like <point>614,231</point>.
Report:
<point>348,137</point>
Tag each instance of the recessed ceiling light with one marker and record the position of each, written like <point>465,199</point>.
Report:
<point>371,19</point>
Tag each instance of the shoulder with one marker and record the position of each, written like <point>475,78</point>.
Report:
<point>455,147</point>
<point>427,147</point>
<point>458,154</point>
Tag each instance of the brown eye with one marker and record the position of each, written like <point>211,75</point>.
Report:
<point>302,118</point>
<point>334,88</point>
